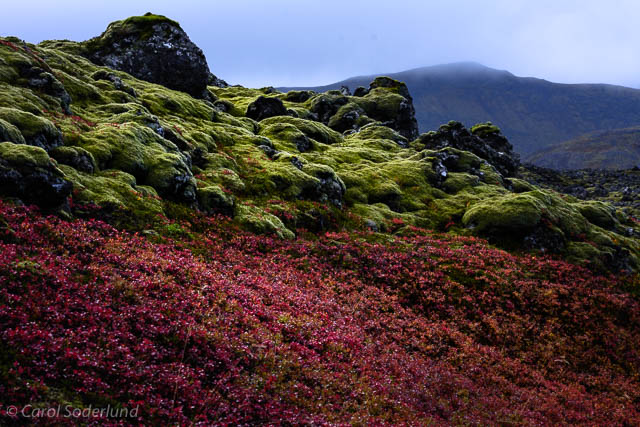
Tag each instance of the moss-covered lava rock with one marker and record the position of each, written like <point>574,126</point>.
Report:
<point>152,48</point>
<point>27,173</point>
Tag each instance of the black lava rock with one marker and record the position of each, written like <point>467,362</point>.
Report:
<point>485,141</point>
<point>27,173</point>
<point>155,49</point>
<point>264,107</point>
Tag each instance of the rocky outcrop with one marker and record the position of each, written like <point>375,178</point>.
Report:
<point>484,140</point>
<point>264,107</point>
<point>27,173</point>
<point>22,127</point>
<point>215,81</point>
<point>399,113</point>
<point>387,101</point>
<point>152,48</point>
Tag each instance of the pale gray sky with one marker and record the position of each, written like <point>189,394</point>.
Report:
<point>304,42</point>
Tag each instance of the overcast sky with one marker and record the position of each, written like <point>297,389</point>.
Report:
<point>311,42</point>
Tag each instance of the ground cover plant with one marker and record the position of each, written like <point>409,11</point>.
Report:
<point>224,326</point>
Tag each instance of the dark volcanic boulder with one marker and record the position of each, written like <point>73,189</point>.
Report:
<point>484,140</point>
<point>27,173</point>
<point>397,111</point>
<point>263,108</point>
<point>215,81</point>
<point>152,48</point>
<point>326,105</point>
<point>76,157</point>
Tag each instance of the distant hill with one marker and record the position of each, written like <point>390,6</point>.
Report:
<point>614,149</point>
<point>532,113</point>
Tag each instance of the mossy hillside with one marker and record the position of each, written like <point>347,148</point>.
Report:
<point>149,145</point>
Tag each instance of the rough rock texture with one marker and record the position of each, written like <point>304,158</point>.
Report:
<point>25,128</point>
<point>387,101</point>
<point>484,140</point>
<point>263,108</point>
<point>215,81</point>
<point>620,188</point>
<point>155,49</point>
<point>28,174</point>
<point>76,157</point>
<point>404,119</point>
<point>117,82</point>
<point>327,104</point>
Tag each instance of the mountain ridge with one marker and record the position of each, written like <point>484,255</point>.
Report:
<point>533,113</point>
<point>606,149</point>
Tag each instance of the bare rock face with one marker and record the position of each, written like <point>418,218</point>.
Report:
<point>484,140</point>
<point>152,48</point>
<point>27,173</point>
<point>263,108</point>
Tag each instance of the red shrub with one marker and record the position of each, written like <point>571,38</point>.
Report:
<point>233,328</point>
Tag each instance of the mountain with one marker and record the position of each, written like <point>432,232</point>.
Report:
<point>532,113</point>
<point>611,149</point>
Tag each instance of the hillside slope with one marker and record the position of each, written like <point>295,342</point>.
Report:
<point>614,149</point>
<point>532,113</point>
<point>217,326</point>
<point>78,133</point>
<point>214,255</point>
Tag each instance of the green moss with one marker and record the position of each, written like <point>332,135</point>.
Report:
<point>598,213</point>
<point>314,130</point>
<point>213,199</point>
<point>148,19</point>
<point>510,213</point>
<point>261,222</point>
<point>82,93</point>
<point>513,216</point>
<point>490,175</point>
<point>485,129</point>
<point>74,156</point>
<point>35,130</point>
<point>349,116</point>
<point>113,189</point>
<point>520,186</point>
<point>19,154</point>
<point>165,102</point>
<point>456,182</point>
<point>138,25</point>
<point>167,172</point>
<point>378,132</point>
<point>281,177</point>
<point>286,137</point>
<point>381,104</point>
<point>11,133</point>
<point>386,183</point>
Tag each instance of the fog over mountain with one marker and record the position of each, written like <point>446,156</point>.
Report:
<point>533,113</point>
<point>292,42</point>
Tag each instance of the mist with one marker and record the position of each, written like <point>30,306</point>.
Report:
<point>305,43</point>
